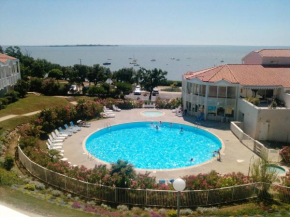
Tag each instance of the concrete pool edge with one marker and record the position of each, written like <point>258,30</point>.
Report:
<point>154,170</point>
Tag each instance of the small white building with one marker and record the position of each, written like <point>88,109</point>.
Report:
<point>220,93</point>
<point>9,73</point>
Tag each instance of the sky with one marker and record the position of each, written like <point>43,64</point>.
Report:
<point>147,22</point>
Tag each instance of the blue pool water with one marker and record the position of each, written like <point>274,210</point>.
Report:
<point>148,148</point>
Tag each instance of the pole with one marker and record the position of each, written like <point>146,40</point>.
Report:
<point>178,203</point>
<point>80,61</point>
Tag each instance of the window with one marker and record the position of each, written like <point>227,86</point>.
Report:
<point>222,92</point>
<point>231,92</point>
<point>212,91</point>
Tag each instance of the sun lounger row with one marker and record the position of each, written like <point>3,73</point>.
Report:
<point>165,181</point>
<point>108,113</point>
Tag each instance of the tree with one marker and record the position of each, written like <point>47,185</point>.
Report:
<point>124,88</point>
<point>125,171</point>
<point>79,74</point>
<point>95,90</point>
<point>1,49</point>
<point>22,87</point>
<point>96,74</point>
<point>55,73</point>
<point>124,75</point>
<point>37,68</point>
<point>152,78</point>
<point>14,52</point>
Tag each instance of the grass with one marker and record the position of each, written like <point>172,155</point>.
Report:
<point>10,124</point>
<point>35,205</point>
<point>171,89</point>
<point>32,103</point>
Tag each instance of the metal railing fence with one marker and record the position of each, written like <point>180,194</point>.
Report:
<point>151,197</point>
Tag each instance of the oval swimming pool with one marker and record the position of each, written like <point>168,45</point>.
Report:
<point>141,144</point>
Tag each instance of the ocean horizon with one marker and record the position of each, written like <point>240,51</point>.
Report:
<point>175,59</point>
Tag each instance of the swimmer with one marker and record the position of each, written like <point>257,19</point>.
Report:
<point>171,124</point>
<point>160,123</point>
<point>191,160</point>
<point>157,128</point>
<point>181,129</point>
<point>151,124</point>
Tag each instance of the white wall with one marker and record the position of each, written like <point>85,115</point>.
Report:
<point>279,123</point>
<point>250,117</point>
<point>276,61</point>
<point>286,99</point>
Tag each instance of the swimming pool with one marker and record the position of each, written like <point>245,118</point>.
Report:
<point>276,169</point>
<point>146,147</point>
<point>152,113</point>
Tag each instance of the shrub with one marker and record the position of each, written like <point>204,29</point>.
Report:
<point>76,205</point>
<point>56,193</point>
<point>29,141</point>
<point>21,87</point>
<point>8,163</point>
<point>207,210</point>
<point>36,84</point>
<point>30,187</point>
<point>186,212</point>
<point>253,100</point>
<point>27,130</point>
<point>12,96</point>
<point>96,90</point>
<point>172,213</point>
<point>122,207</point>
<point>285,154</point>
<point>50,87</point>
<point>8,178</point>
<point>162,212</point>
<point>37,185</point>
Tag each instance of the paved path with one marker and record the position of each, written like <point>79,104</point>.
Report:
<point>235,156</point>
<point>10,211</point>
<point>7,117</point>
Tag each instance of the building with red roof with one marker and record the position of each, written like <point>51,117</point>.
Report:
<point>9,73</point>
<point>222,93</point>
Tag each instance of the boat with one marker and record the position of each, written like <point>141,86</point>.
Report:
<point>222,61</point>
<point>134,61</point>
<point>153,60</point>
<point>177,59</point>
<point>136,64</point>
<point>106,63</point>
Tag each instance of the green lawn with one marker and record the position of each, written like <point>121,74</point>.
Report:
<point>32,103</point>
<point>10,124</point>
<point>38,206</point>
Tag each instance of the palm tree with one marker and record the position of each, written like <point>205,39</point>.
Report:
<point>152,78</point>
<point>125,171</point>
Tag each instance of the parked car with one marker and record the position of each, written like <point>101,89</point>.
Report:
<point>155,92</point>
<point>73,88</point>
<point>137,90</point>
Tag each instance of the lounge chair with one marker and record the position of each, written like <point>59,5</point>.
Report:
<point>61,131</point>
<point>105,109</point>
<point>54,140</point>
<point>176,109</point>
<point>76,127</point>
<point>64,159</point>
<point>83,123</point>
<point>70,129</point>
<point>116,109</point>
<point>108,115</point>
<point>54,144</point>
<point>58,135</point>
<point>54,148</point>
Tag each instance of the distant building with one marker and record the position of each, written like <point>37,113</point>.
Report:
<point>220,93</point>
<point>268,57</point>
<point>9,73</point>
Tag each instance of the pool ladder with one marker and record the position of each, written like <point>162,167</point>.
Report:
<point>107,125</point>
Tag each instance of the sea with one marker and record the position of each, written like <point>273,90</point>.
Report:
<point>176,60</point>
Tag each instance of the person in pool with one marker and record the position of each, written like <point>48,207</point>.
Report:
<point>160,123</point>
<point>181,129</point>
<point>152,124</point>
<point>191,160</point>
<point>157,128</point>
<point>171,124</point>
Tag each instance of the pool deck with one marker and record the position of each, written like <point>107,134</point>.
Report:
<point>235,156</point>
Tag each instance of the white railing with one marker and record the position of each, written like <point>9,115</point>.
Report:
<point>254,145</point>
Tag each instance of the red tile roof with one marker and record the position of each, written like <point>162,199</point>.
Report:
<point>246,75</point>
<point>274,52</point>
<point>4,58</point>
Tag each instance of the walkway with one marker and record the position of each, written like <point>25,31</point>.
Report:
<point>235,156</point>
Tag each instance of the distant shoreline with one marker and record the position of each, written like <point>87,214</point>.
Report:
<point>82,45</point>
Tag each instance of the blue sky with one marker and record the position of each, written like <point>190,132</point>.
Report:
<point>147,22</point>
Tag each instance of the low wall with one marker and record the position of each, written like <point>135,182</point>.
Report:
<point>254,145</point>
